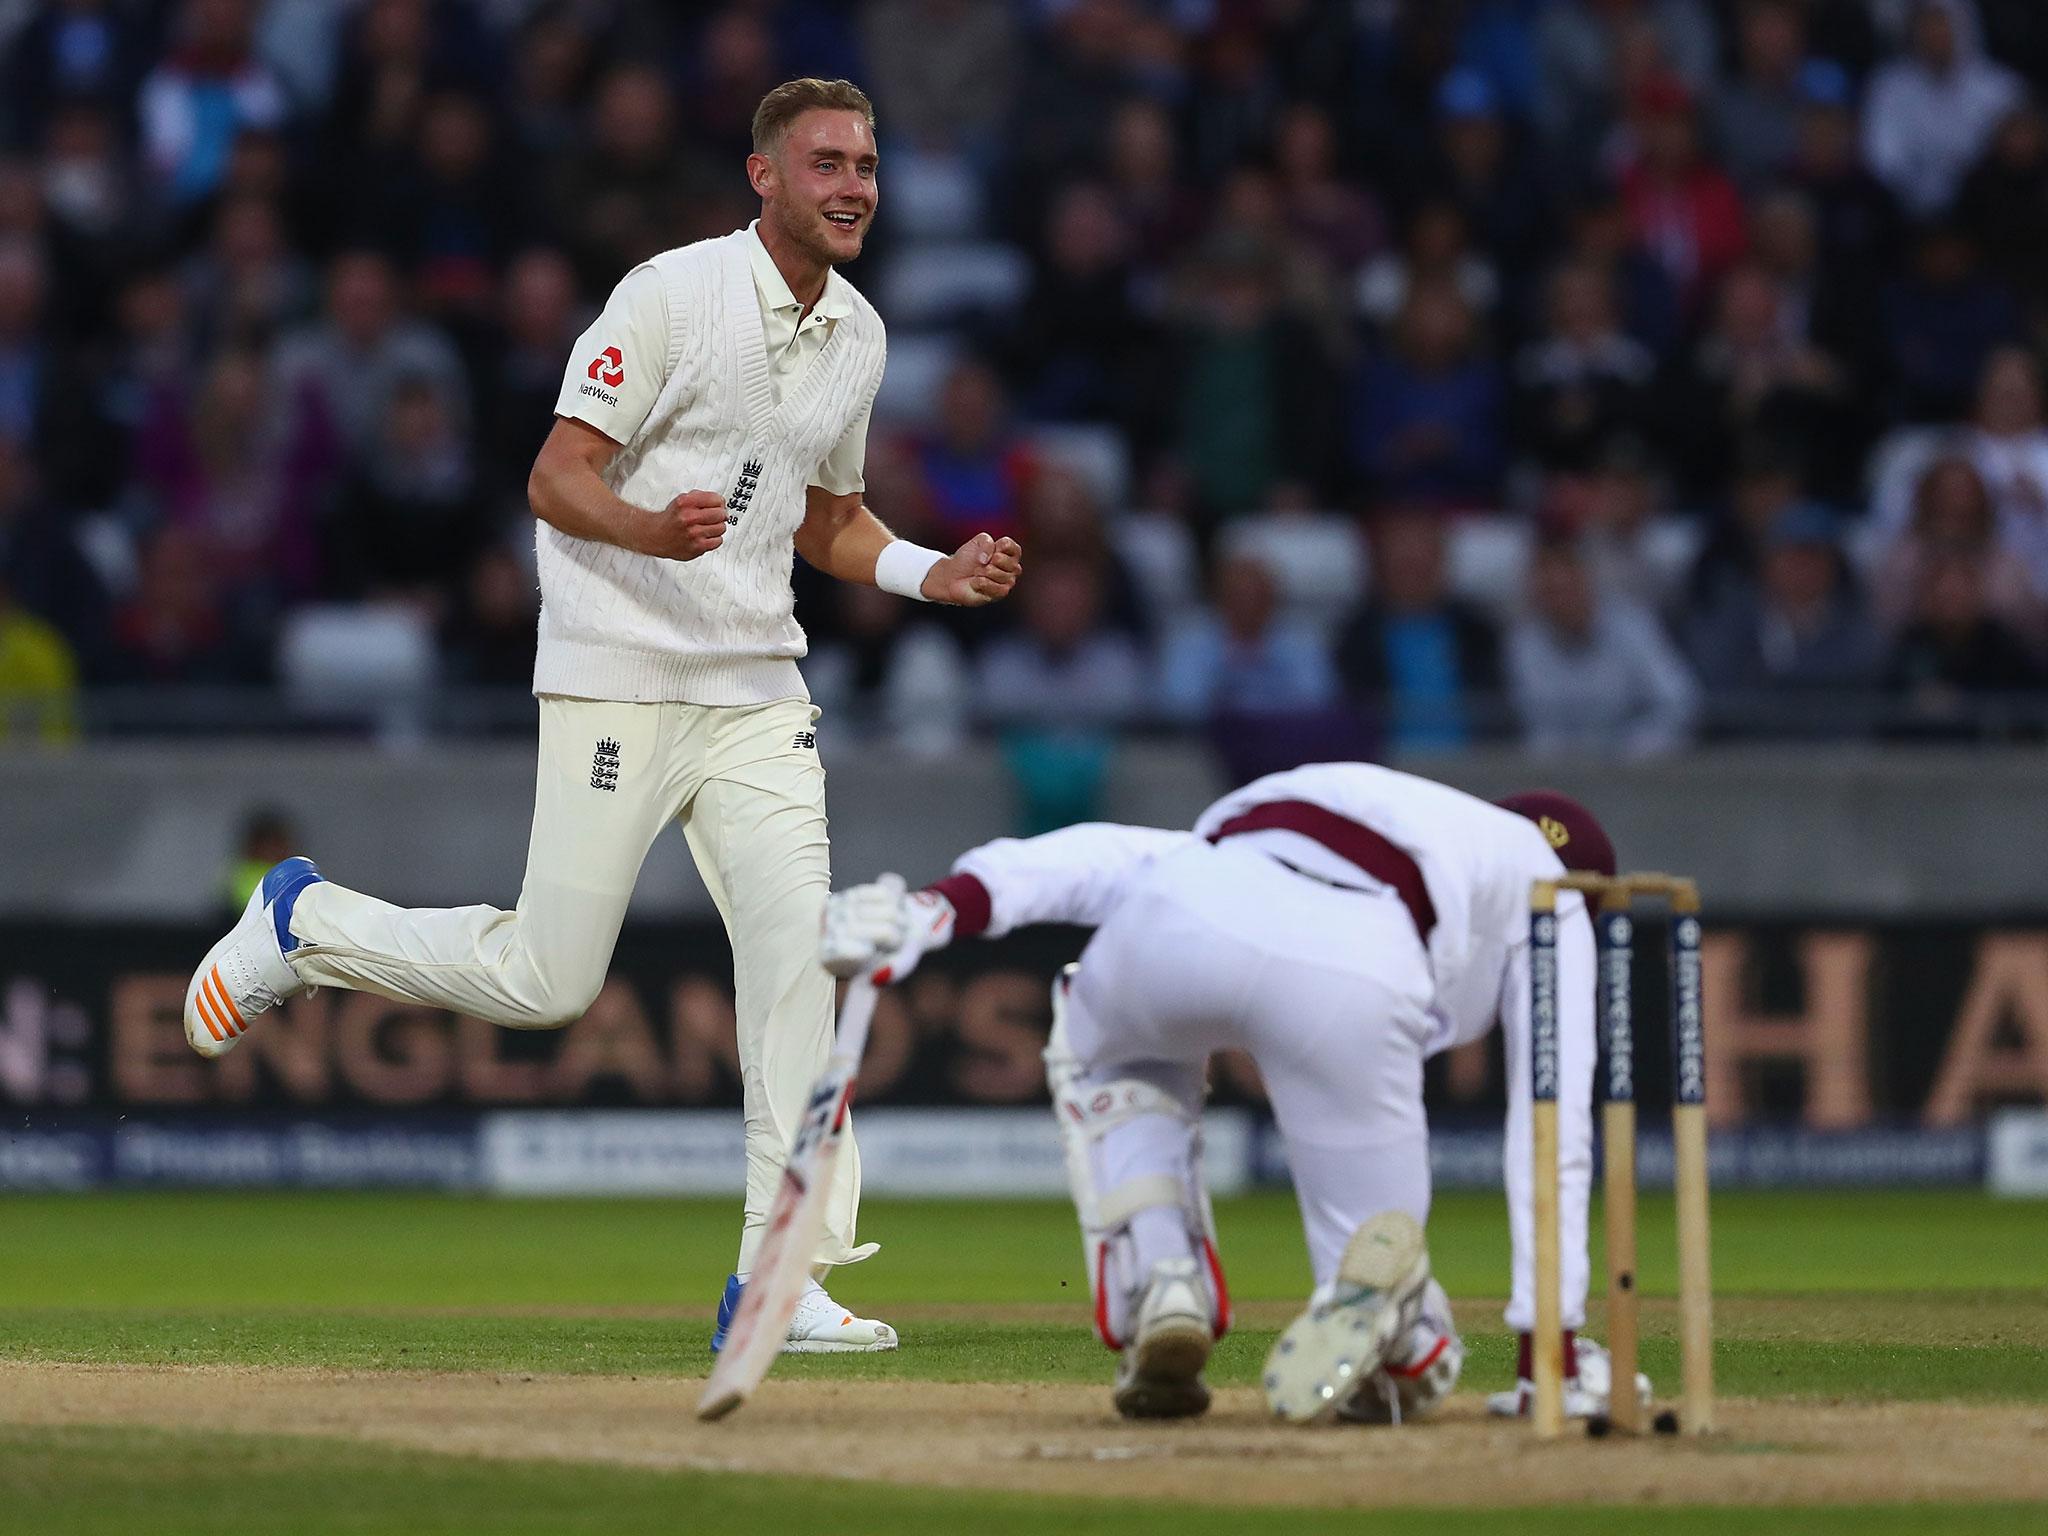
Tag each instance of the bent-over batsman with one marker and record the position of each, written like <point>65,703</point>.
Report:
<point>1341,923</point>
<point>711,423</point>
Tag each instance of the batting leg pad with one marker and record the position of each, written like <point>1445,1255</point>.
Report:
<point>1134,1164</point>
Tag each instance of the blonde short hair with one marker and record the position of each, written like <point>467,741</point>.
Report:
<point>791,99</point>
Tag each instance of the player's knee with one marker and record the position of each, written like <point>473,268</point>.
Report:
<point>563,999</point>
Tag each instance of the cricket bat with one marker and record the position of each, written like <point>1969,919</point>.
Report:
<point>795,1220</point>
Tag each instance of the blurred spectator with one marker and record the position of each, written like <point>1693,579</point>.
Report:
<point>1682,208</point>
<point>2004,204</point>
<point>41,563</point>
<point>973,463</point>
<point>1057,688</point>
<point>176,626</point>
<point>1589,674</point>
<point>211,87</point>
<point>87,185</point>
<point>267,836</point>
<point>1080,341</point>
<point>1825,306</point>
<point>451,211</point>
<point>247,284</point>
<point>1754,379</point>
<point>1612,509</point>
<point>1766,485</point>
<point>539,321</point>
<point>1145,183</point>
<point>733,65</point>
<point>1252,391</point>
<point>2009,446</point>
<point>245,467</point>
<point>1252,213</point>
<point>38,677</point>
<point>1427,416</point>
<point>1065,664</point>
<point>488,639</point>
<point>1435,248</point>
<point>409,517</point>
<point>75,51</point>
<point>1647,299</point>
<point>1060,520</point>
<point>1793,653</point>
<point>945,70</point>
<point>1427,663</point>
<point>1941,321</point>
<point>1245,659</point>
<point>1959,672</point>
<point>1932,111</point>
<point>1588,50</point>
<point>1338,218</point>
<point>354,358</point>
<point>1484,169</point>
<point>1859,223</point>
<point>551,68</point>
<point>1756,120</point>
<point>1953,519</point>
<point>150,357</point>
<point>891,675</point>
<point>1585,379</point>
<point>624,193</point>
<point>386,71</point>
<point>26,362</point>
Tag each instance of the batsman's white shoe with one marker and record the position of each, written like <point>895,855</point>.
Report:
<point>823,1327</point>
<point>1585,1395</point>
<point>1159,1373</point>
<point>247,973</point>
<point>1328,1355</point>
<point>1421,1368</point>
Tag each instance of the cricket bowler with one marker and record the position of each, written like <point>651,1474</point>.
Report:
<point>712,423</point>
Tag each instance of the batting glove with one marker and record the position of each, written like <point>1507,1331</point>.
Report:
<point>862,924</point>
<point>927,925</point>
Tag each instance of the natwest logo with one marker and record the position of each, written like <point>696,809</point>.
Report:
<point>615,374</point>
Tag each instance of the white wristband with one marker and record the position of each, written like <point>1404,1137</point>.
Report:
<point>902,567</point>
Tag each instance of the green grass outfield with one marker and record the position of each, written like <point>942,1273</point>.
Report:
<point>1861,1296</point>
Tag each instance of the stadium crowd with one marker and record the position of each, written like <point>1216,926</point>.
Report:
<point>1603,374</point>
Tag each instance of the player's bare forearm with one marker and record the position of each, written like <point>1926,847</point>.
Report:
<point>840,536</point>
<point>567,491</point>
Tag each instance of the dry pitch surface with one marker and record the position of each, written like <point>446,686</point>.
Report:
<point>1049,1438</point>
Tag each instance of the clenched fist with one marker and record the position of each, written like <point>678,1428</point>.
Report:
<point>691,525</point>
<point>981,571</point>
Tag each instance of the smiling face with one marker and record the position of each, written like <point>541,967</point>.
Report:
<point>818,184</point>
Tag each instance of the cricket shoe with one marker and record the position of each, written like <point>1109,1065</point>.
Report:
<point>820,1327</point>
<point>1420,1371</point>
<point>1585,1392</point>
<point>1328,1355</point>
<point>823,1327</point>
<point>248,972</point>
<point>1159,1373</point>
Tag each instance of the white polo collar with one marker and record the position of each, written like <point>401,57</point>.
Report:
<point>833,303</point>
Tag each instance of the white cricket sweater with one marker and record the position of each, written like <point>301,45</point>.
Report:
<point>720,629</point>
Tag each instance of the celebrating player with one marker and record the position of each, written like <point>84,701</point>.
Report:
<point>713,418</point>
<point>1341,923</point>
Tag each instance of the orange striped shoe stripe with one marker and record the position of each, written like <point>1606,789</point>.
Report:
<point>214,1009</point>
<point>227,1004</point>
<point>204,1005</point>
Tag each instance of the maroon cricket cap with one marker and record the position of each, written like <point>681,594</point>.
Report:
<point>1581,842</point>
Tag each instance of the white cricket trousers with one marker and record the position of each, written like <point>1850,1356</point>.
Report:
<point>1221,947</point>
<point>749,789</point>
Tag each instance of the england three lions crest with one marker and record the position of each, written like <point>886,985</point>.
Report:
<point>742,493</point>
